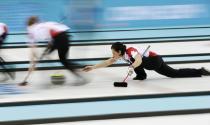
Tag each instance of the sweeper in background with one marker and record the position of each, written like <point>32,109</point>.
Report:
<point>57,37</point>
<point>3,36</point>
<point>150,61</point>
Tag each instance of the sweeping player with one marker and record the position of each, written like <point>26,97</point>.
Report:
<point>3,36</point>
<point>56,34</point>
<point>3,32</point>
<point>150,61</point>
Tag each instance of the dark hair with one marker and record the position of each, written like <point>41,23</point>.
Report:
<point>32,20</point>
<point>119,47</point>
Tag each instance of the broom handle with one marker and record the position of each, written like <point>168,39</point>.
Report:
<point>125,78</point>
<point>145,51</point>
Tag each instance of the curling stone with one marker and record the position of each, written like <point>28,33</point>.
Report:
<point>58,79</point>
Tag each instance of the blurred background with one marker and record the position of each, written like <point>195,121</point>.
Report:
<point>107,14</point>
<point>179,30</point>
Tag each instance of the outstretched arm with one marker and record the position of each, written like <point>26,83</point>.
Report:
<point>105,63</point>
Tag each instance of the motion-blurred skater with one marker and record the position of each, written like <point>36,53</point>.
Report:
<point>3,36</point>
<point>57,37</point>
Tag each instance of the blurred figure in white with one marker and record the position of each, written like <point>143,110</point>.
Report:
<point>57,37</point>
<point>3,36</point>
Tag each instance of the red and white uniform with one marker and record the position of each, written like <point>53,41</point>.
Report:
<point>45,31</point>
<point>3,28</point>
<point>131,53</point>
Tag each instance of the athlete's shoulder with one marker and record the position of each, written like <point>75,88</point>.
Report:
<point>131,49</point>
<point>50,23</point>
<point>3,24</point>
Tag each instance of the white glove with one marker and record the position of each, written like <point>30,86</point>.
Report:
<point>130,71</point>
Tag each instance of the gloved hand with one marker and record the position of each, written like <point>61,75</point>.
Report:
<point>47,51</point>
<point>43,55</point>
<point>130,71</point>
